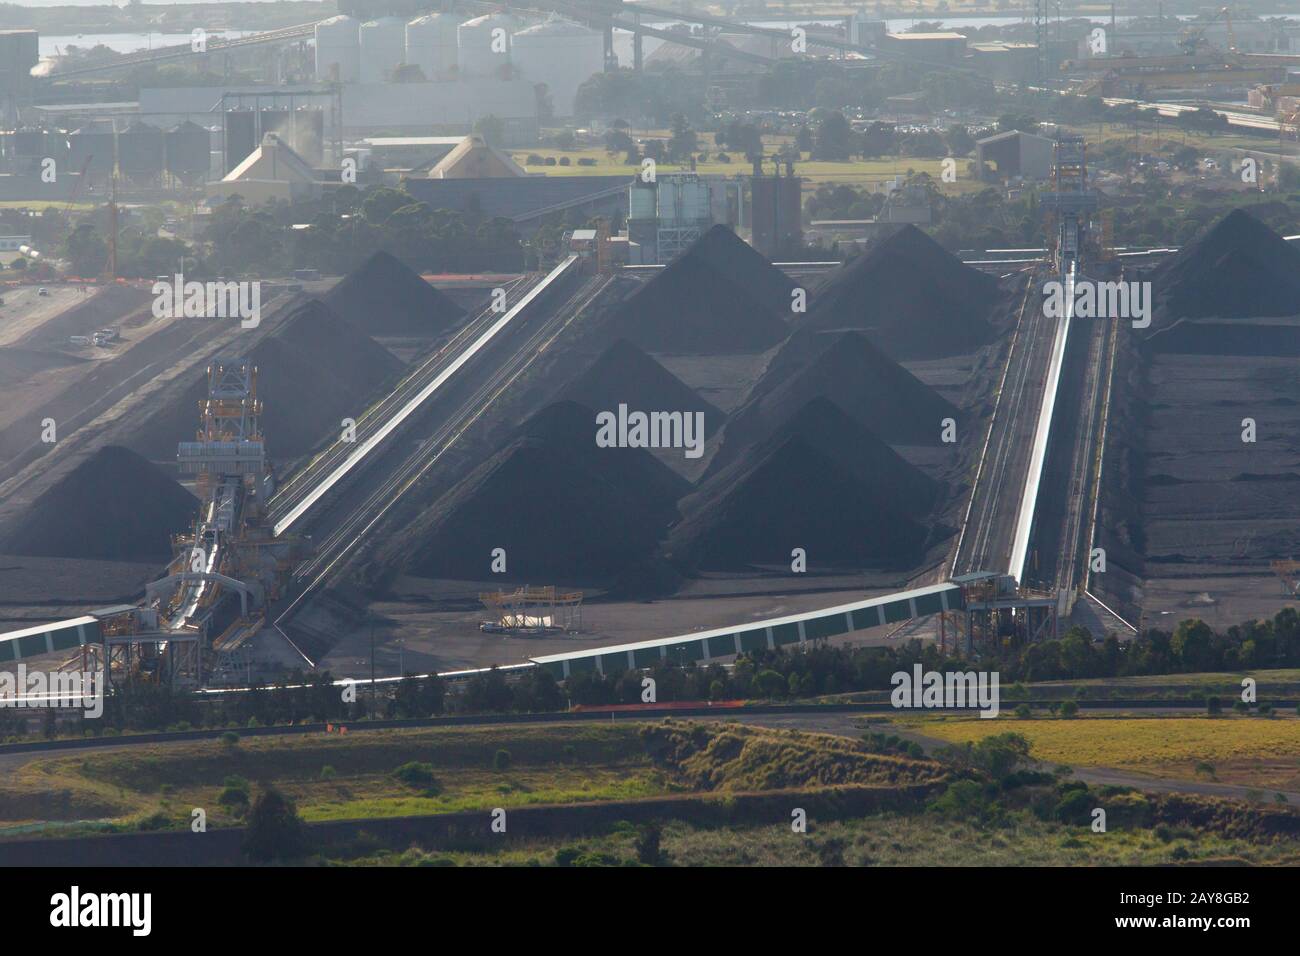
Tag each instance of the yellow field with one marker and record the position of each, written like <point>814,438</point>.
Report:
<point>855,173</point>
<point>1130,741</point>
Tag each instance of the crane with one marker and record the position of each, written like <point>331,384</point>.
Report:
<point>76,187</point>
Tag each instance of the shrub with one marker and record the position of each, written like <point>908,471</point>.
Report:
<point>1068,709</point>
<point>1074,807</point>
<point>533,159</point>
<point>1214,706</point>
<point>586,161</point>
<point>275,831</point>
<point>328,773</point>
<point>230,738</point>
<point>564,161</point>
<point>1024,711</point>
<point>648,851</point>
<point>501,760</point>
<point>416,774</point>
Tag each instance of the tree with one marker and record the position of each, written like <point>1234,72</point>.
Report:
<point>878,139</point>
<point>86,251</point>
<point>1193,644</point>
<point>834,140</point>
<point>1017,121</point>
<point>803,139</point>
<point>275,831</point>
<point>381,203</point>
<point>959,140</point>
<point>683,141</point>
<point>491,129</point>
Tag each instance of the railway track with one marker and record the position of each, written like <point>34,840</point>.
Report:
<point>983,544</point>
<point>360,522</point>
<point>302,482</point>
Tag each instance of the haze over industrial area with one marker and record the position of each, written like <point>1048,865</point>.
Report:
<point>603,433</point>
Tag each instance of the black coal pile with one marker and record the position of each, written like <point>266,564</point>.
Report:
<point>1203,337</point>
<point>109,306</point>
<point>910,296</point>
<point>807,487</point>
<point>19,364</point>
<point>384,297</point>
<point>732,256</point>
<point>114,506</point>
<point>623,374</point>
<point>1240,268</point>
<point>720,296</point>
<point>848,370</point>
<point>314,370</point>
<point>564,510</point>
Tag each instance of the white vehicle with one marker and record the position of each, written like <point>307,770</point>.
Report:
<point>42,291</point>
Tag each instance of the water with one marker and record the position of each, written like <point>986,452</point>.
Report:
<point>123,42</point>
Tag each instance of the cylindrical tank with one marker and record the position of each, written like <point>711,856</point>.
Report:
<point>683,199</point>
<point>276,120</point>
<point>240,138</point>
<point>187,147</point>
<point>140,151</point>
<point>338,50</point>
<point>483,44</point>
<point>641,200</point>
<point>431,44</point>
<point>560,53</point>
<point>383,47</point>
<point>94,148</point>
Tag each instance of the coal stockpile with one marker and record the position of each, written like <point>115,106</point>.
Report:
<point>106,307</point>
<point>314,370</point>
<point>564,510</point>
<point>789,494</point>
<point>1198,337</point>
<point>713,299</point>
<point>891,480</point>
<point>732,256</point>
<point>623,374</point>
<point>868,385</point>
<point>910,296</point>
<point>114,506</point>
<point>1240,268</point>
<point>384,297</point>
<point>18,364</point>
<point>569,428</point>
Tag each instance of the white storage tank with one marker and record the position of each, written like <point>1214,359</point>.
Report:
<point>482,50</point>
<point>431,44</point>
<point>383,48</point>
<point>338,50</point>
<point>560,53</point>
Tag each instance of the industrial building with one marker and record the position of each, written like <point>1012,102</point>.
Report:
<point>273,171</point>
<point>18,54</point>
<point>665,216</point>
<point>1014,154</point>
<point>459,59</point>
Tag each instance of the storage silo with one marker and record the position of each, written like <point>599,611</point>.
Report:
<point>431,44</point>
<point>338,50</point>
<point>240,136</point>
<point>93,147</point>
<point>560,53</point>
<point>383,48</point>
<point>187,147</point>
<point>481,51</point>
<point>140,151</point>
